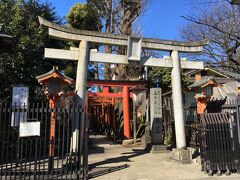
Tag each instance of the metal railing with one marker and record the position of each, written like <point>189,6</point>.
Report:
<point>26,154</point>
<point>220,151</point>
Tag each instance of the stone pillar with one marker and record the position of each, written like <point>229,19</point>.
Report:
<point>80,99</point>
<point>126,113</point>
<point>156,116</point>
<point>177,101</point>
<point>82,68</point>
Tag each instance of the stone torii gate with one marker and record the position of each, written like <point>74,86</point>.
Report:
<point>134,48</point>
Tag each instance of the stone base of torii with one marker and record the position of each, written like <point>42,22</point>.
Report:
<point>134,47</point>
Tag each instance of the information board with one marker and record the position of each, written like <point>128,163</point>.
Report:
<point>19,101</point>
<point>27,129</point>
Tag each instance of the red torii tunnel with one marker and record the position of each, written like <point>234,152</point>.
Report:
<point>125,94</point>
<point>54,79</point>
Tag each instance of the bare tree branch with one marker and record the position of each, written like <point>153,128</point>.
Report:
<point>220,23</point>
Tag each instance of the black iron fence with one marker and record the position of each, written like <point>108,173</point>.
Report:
<point>191,121</point>
<point>192,132</point>
<point>38,142</point>
<point>190,114</point>
<point>220,151</point>
<point>219,137</point>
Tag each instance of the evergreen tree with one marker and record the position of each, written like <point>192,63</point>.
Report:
<point>20,68</point>
<point>165,75</point>
<point>83,16</point>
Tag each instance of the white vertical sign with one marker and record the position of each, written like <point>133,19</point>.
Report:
<point>19,100</point>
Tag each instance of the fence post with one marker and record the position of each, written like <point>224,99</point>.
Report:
<point>238,116</point>
<point>85,156</point>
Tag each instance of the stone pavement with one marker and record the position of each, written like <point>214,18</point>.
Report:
<point>114,162</point>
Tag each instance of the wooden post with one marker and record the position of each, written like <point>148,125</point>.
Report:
<point>114,120</point>
<point>94,119</point>
<point>126,114</point>
<point>134,121</point>
<point>99,117</point>
<point>102,117</point>
<point>108,114</point>
<point>52,134</point>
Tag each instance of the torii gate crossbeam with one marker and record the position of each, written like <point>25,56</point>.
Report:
<point>134,48</point>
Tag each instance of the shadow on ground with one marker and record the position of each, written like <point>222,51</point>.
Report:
<point>100,171</point>
<point>102,167</point>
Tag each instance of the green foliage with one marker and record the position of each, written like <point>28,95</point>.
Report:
<point>165,74</point>
<point>70,70</point>
<point>82,16</point>
<point>20,20</point>
<point>168,138</point>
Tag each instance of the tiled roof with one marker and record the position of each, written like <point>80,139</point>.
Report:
<point>54,70</point>
<point>229,73</point>
<point>225,72</point>
<point>203,81</point>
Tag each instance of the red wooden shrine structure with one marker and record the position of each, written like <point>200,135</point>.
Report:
<point>106,100</point>
<point>100,105</point>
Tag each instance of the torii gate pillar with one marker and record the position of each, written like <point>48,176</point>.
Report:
<point>126,113</point>
<point>82,68</point>
<point>81,85</point>
<point>178,102</point>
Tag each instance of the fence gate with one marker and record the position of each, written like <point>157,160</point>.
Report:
<point>49,154</point>
<point>220,152</point>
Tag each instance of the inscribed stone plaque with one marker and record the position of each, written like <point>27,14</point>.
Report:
<point>156,115</point>
<point>155,103</point>
<point>134,48</point>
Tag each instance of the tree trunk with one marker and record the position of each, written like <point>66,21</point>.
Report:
<point>107,69</point>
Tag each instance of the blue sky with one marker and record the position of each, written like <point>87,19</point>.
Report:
<point>161,19</point>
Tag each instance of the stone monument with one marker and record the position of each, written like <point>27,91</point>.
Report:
<point>156,120</point>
